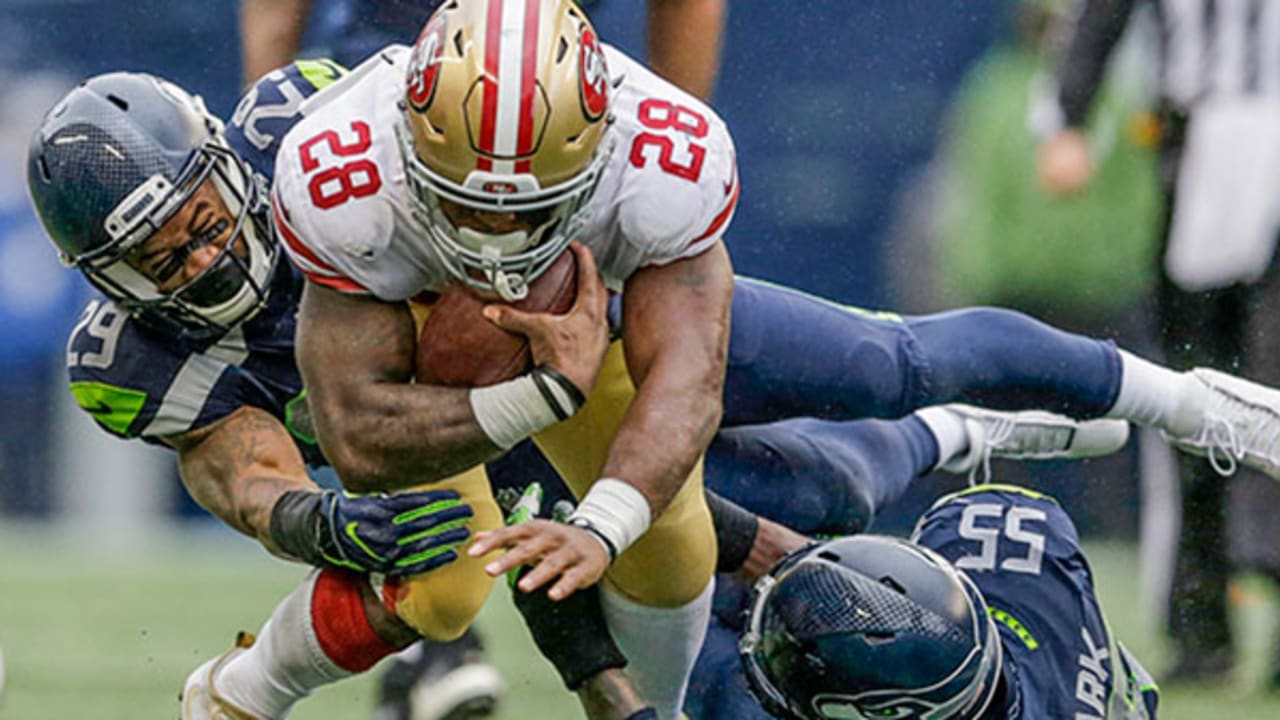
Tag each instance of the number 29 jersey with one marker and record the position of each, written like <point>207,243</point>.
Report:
<point>341,202</point>
<point>138,382</point>
<point>1022,551</point>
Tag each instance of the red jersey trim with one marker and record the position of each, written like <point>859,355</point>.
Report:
<point>324,273</point>
<point>718,222</point>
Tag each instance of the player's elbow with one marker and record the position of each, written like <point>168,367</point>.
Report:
<point>355,461</point>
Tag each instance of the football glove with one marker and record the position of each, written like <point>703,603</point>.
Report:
<point>398,535</point>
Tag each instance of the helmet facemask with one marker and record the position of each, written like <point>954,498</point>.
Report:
<point>230,290</point>
<point>504,263</point>
<point>505,111</point>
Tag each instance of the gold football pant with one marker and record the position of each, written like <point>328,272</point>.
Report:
<point>669,566</point>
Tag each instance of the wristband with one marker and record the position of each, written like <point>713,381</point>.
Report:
<point>297,526</point>
<point>616,512</point>
<point>513,410</point>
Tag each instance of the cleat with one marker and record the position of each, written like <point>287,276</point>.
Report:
<point>440,681</point>
<point>200,698</point>
<point>1237,422</point>
<point>1030,435</point>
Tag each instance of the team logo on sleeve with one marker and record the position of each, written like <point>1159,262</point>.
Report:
<point>594,74</point>
<point>424,65</point>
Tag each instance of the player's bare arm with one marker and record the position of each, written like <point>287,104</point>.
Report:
<point>271,32</point>
<point>378,429</point>
<point>381,431</point>
<point>684,40</point>
<point>573,343</point>
<point>237,469</point>
<point>676,337</point>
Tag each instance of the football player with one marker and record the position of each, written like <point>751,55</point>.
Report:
<point>165,364</point>
<point>459,161</point>
<point>907,361</point>
<point>475,158</point>
<point>988,611</point>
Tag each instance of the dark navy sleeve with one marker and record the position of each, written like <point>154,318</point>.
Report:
<point>1023,552</point>
<point>139,384</point>
<point>272,106</point>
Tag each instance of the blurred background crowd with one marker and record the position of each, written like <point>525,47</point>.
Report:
<point>893,155</point>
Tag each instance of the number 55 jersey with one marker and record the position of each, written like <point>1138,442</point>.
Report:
<point>1022,551</point>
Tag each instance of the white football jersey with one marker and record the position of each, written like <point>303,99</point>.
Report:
<point>341,204</point>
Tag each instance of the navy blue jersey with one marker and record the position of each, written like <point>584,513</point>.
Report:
<point>140,383</point>
<point>272,106</point>
<point>1023,552</point>
<point>137,382</point>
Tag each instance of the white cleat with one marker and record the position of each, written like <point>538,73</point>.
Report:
<point>1031,435</point>
<point>1236,422</point>
<point>200,698</point>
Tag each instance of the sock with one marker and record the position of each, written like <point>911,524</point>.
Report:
<point>316,636</point>
<point>660,643</point>
<point>1155,396</point>
<point>948,431</point>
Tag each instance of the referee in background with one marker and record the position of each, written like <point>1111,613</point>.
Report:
<point>1217,299</point>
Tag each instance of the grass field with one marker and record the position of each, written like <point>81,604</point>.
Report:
<point>86,635</point>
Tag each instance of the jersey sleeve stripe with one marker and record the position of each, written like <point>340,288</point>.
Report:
<point>720,220</point>
<point>313,267</point>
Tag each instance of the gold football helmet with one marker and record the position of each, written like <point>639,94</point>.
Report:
<point>505,111</point>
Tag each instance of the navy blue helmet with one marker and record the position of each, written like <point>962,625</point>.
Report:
<point>870,627</point>
<point>112,162</point>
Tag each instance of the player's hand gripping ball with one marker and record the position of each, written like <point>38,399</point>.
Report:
<point>460,347</point>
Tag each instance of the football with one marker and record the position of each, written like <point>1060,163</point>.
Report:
<point>460,348</point>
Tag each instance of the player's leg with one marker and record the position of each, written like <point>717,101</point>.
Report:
<point>320,633</point>
<point>818,476</point>
<point>338,623</point>
<point>792,354</point>
<point>657,594</point>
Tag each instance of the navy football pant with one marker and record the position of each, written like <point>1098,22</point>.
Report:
<point>796,355</point>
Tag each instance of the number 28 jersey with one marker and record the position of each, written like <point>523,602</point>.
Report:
<point>341,203</point>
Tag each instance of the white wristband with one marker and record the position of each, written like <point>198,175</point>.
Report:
<point>617,511</point>
<point>511,411</point>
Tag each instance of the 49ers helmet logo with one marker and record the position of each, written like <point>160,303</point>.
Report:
<point>594,74</point>
<point>424,65</point>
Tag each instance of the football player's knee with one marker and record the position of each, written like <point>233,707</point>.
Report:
<point>671,564</point>
<point>441,604</point>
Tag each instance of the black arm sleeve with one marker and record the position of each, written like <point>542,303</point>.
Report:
<point>571,633</point>
<point>298,527</point>
<point>736,530</point>
<point>1096,32</point>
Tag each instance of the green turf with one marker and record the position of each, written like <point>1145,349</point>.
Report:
<point>88,637</point>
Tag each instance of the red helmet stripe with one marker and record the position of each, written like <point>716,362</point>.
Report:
<point>489,109</point>
<point>528,84</point>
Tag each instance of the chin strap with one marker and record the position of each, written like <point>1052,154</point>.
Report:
<point>509,287</point>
